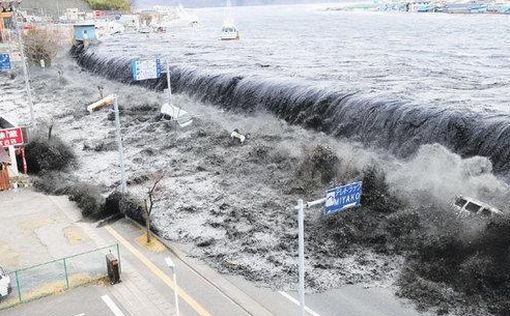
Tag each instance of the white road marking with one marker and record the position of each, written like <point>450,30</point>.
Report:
<point>82,314</point>
<point>112,306</point>
<point>293,300</point>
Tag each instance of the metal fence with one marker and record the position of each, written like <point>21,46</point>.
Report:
<point>57,275</point>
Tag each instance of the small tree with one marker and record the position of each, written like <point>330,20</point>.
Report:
<point>41,44</point>
<point>149,203</point>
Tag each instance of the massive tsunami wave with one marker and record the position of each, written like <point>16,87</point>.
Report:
<point>399,124</point>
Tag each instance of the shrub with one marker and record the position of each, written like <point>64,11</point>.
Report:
<point>53,182</point>
<point>88,198</point>
<point>132,208</point>
<point>320,166</point>
<point>41,44</point>
<point>48,154</point>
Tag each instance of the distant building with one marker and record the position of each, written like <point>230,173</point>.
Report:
<point>52,8</point>
<point>6,18</point>
<point>85,33</point>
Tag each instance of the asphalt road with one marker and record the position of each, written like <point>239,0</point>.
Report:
<point>82,301</point>
<point>148,287</point>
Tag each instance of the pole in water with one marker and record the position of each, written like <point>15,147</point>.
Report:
<point>25,68</point>
<point>169,89</point>
<point>301,251</point>
<point>123,183</point>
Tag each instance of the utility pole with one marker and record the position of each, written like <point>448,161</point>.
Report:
<point>19,28</point>
<point>123,182</point>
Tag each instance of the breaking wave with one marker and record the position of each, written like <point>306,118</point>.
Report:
<point>394,125</point>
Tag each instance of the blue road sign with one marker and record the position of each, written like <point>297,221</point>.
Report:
<point>146,69</point>
<point>5,62</point>
<point>342,198</point>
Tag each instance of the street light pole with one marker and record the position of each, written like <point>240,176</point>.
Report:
<point>171,265</point>
<point>123,183</point>
<point>25,68</point>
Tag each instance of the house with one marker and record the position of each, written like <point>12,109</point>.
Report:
<point>85,33</point>
<point>6,23</point>
<point>5,161</point>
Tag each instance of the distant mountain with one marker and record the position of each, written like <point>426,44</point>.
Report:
<point>215,3</point>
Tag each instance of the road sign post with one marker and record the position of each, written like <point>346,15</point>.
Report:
<point>337,199</point>
<point>169,90</point>
<point>301,252</point>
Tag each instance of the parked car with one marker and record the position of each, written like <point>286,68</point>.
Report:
<point>467,206</point>
<point>5,284</point>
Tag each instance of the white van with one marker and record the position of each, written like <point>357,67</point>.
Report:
<point>5,285</point>
<point>467,206</point>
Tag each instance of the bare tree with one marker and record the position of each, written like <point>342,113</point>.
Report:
<point>41,44</point>
<point>149,203</point>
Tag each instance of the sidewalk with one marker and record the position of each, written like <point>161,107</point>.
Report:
<point>136,294</point>
<point>38,228</point>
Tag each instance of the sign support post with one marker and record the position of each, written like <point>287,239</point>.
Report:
<point>123,183</point>
<point>336,200</point>
<point>169,90</point>
<point>301,254</point>
<point>301,250</point>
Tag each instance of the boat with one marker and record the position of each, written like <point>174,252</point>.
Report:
<point>229,31</point>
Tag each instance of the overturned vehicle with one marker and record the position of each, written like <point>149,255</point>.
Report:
<point>466,206</point>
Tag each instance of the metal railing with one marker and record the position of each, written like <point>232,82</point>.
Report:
<point>56,276</point>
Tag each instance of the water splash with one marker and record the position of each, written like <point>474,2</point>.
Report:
<point>391,124</point>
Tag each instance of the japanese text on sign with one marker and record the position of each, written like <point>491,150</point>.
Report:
<point>341,198</point>
<point>146,69</point>
<point>11,137</point>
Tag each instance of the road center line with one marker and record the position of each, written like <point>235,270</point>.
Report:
<point>112,306</point>
<point>157,271</point>
<point>293,300</point>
